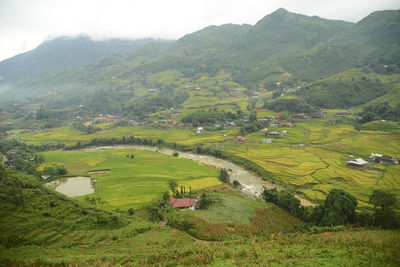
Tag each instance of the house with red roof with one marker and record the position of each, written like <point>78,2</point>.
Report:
<point>183,203</point>
<point>240,138</point>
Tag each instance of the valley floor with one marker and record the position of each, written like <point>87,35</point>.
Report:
<point>310,159</point>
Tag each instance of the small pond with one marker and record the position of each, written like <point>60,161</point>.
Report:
<point>73,186</point>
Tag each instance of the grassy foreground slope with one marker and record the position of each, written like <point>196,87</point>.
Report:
<point>132,183</point>
<point>40,227</point>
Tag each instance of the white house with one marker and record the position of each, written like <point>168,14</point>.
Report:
<point>357,163</point>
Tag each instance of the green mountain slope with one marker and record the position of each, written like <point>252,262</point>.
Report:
<point>285,33</point>
<point>344,90</point>
<point>62,53</point>
<point>281,47</point>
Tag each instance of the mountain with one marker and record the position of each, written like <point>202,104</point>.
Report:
<point>375,39</point>
<point>211,39</point>
<point>62,53</point>
<point>286,33</point>
<point>282,47</point>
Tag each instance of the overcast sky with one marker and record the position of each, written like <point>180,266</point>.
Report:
<point>24,24</point>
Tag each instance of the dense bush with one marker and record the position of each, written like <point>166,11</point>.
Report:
<point>253,127</point>
<point>204,117</point>
<point>338,209</point>
<point>59,170</point>
<point>343,93</point>
<point>384,214</point>
<point>223,175</point>
<point>285,200</point>
<point>204,201</point>
<point>380,111</point>
<point>293,105</point>
<point>87,129</point>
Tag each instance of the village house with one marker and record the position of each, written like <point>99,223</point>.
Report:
<point>288,125</point>
<point>383,158</point>
<point>240,138</point>
<point>388,159</point>
<point>319,114</point>
<point>359,163</point>
<point>302,116</point>
<point>266,141</point>
<point>183,203</point>
<point>165,125</point>
<point>274,134</point>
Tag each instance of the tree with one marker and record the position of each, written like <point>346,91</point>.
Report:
<point>132,156</point>
<point>223,175</point>
<point>172,185</point>
<point>382,199</point>
<point>270,195</point>
<point>131,211</point>
<point>339,208</point>
<point>61,170</point>
<point>253,117</point>
<point>204,201</point>
<point>384,215</point>
<point>290,203</point>
<point>175,154</point>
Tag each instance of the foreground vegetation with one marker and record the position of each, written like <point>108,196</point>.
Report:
<point>67,231</point>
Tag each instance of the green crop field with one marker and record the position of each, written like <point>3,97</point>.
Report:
<point>132,182</point>
<point>310,159</point>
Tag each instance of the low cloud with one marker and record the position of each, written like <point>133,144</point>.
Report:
<point>26,23</point>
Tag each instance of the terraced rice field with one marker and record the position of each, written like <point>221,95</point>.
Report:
<point>310,159</point>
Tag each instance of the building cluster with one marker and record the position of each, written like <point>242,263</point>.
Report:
<point>377,158</point>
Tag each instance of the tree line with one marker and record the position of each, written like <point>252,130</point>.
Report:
<point>339,208</point>
<point>380,111</point>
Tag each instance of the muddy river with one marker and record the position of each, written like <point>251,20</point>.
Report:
<point>252,185</point>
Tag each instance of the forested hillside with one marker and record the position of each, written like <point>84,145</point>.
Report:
<point>281,51</point>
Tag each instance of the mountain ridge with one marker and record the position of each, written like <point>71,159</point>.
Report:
<point>305,48</point>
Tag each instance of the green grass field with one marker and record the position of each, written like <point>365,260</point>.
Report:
<point>132,183</point>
